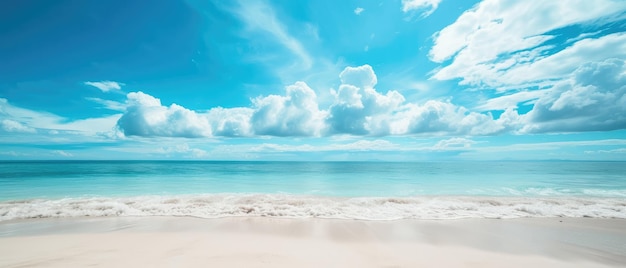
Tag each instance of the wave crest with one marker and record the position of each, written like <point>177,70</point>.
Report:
<point>290,206</point>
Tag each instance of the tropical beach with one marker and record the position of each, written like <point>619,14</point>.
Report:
<point>266,133</point>
<point>311,214</point>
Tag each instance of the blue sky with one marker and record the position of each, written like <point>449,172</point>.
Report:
<point>410,80</point>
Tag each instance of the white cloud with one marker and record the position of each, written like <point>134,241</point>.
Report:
<point>106,86</point>
<point>30,120</point>
<point>183,150</point>
<point>109,104</point>
<point>145,116</point>
<point>501,43</point>
<point>359,109</point>
<point>361,76</point>
<point>441,118</point>
<point>511,100</point>
<point>360,145</point>
<point>593,98</point>
<point>614,151</point>
<point>258,15</point>
<point>62,153</point>
<point>14,126</point>
<point>358,10</point>
<point>551,146</point>
<point>454,143</point>
<point>563,63</point>
<point>295,114</point>
<point>232,122</point>
<point>426,7</point>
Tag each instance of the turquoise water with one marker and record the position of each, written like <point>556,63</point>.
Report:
<point>326,189</point>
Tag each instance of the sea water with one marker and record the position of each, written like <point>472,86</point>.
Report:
<point>346,190</point>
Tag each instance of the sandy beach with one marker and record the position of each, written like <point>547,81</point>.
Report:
<point>277,242</point>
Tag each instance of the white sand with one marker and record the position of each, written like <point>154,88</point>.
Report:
<point>271,242</point>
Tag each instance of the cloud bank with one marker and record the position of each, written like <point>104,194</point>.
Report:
<point>358,109</point>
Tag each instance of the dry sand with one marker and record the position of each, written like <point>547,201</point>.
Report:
<point>273,242</point>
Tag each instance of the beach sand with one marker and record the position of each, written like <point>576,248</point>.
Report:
<point>276,242</point>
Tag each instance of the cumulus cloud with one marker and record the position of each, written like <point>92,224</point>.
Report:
<point>358,10</point>
<point>106,86</point>
<point>592,99</point>
<point>145,116</point>
<point>295,114</point>
<point>438,117</point>
<point>231,122</point>
<point>503,44</point>
<point>521,49</point>
<point>358,109</point>
<point>426,7</point>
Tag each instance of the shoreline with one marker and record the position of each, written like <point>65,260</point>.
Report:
<point>429,207</point>
<point>164,241</point>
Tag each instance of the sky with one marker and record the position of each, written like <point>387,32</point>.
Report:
<point>397,80</point>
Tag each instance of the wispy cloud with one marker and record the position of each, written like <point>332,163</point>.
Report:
<point>105,86</point>
<point>426,7</point>
<point>500,44</point>
<point>19,119</point>
<point>63,153</point>
<point>259,15</point>
<point>358,10</point>
<point>109,104</point>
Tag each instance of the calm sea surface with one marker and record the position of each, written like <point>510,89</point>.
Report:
<point>326,189</point>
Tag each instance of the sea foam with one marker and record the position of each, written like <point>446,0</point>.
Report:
<point>297,206</point>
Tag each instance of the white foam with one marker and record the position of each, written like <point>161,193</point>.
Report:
<point>296,206</point>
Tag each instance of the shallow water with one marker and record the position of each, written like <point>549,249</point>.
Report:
<point>366,190</point>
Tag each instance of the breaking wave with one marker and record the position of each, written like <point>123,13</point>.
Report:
<point>296,206</point>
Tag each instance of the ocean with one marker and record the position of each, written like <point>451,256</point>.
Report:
<point>343,190</point>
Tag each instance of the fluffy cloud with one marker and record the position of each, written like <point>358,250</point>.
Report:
<point>503,44</point>
<point>106,86</point>
<point>232,122</point>
<point>145,116</point>
<point>437,117</point>
<point>427,7</point>
<point>295,114</point>
<point>524,51</point>
<point>593,98</point>
<point>358,10</point>
<point>358,108</point>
